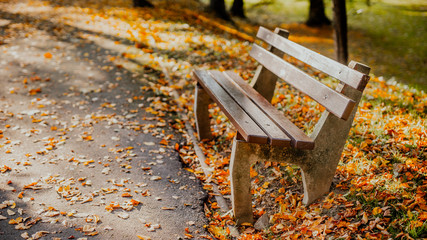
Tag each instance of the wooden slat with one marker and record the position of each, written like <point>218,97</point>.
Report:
<point>334,102</point>
<point>298,138</point>
<point>264,81</point>
<point>240,119</point>
<point>335,69</point>
<point>276,136</point>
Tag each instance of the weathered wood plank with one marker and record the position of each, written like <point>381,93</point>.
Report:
<point>334,102</point>
<point>337,70</point>
<point>240,119</point>
<point>298,138</point>
<point>276,136</point>
<point>264,81</point>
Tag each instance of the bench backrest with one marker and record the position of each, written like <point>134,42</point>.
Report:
<point>335,102</point>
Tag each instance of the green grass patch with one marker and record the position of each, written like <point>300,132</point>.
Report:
<point>394,38</point>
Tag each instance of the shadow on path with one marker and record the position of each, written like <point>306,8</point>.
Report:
<point>74,119</point>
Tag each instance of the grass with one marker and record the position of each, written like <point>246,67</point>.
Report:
<point>397,33</point>
<point>388,35</point>
<point>383,164</point>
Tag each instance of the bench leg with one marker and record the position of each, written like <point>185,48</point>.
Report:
<point>330,135</point>
<point>317,179</point>
<point>201,112</point>
<point>240,184</point>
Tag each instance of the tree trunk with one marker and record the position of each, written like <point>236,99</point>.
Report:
<point>340,31</point>
<point>142,3</point>
<point>218,7</point>
<point>237,9</point>
<point>317,17</point>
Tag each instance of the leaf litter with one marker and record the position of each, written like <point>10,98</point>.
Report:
<point>379,188</point>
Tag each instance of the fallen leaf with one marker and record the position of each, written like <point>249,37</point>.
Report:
<point>126,194</point>
<point>168,208</point>
<point>143,237</point>
<point>191,223</point>
<point>39,234</point>
<point>365,218</point>
<point>34,92</point>
<point>25,235</point>
<point>48,55</point>
<point>5,168</point>
<point>106,171</point>
<point>16,221</point>
<point>376,211</point>
<point>88,228</point>
<point>123,215</point>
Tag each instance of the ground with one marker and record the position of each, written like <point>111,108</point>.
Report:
<point>85,157</point>
<point>96,119</point>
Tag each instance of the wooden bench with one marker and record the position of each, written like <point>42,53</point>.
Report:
<point>264,133</point>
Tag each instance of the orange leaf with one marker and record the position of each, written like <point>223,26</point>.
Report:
<point>48,55</point>
<point>21,195</point>
<point>327,205</point>
<point>135,202</point>
<point>164,142</point>
<point>126,194</point>
<point>35,91</point>
<point>253,173</point>
<point>5,169</point>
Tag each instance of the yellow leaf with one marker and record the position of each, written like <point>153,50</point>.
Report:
<point>143,237</point>
<point>265,185</point>
<point>376,211</point>
<point>253,173</point>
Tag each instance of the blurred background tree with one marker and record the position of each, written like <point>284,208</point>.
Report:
<point>316,15</point>
<point>237,9</point>
<point>218,7</point>
<point>340,31</point>
<point>142,3</point>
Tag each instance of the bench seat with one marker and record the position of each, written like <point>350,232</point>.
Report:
<point>254,117</point>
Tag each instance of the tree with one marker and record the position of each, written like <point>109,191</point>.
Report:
<point>218,7</point>
<point>142,3</point>
<point>340,31</point>
<point>237,9</point>
<point>316,16</point>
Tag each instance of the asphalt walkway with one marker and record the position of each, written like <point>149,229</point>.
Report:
<point>80,157</point>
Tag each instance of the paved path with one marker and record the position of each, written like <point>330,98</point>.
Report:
<point>77,144</point>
